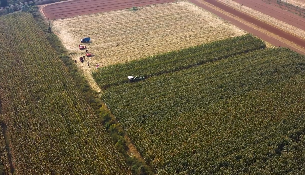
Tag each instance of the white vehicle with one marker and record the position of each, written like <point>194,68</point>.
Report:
<point>135,78</point>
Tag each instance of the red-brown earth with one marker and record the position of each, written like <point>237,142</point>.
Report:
<point>68,9</point>
<point>261,6</point>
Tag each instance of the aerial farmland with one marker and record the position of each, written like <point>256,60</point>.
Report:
<point>153,87</point>
<point>125,35</point>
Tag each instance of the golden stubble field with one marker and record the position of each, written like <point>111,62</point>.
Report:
<point>126,35</point>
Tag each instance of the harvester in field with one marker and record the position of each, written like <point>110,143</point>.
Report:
<point>135,78</point>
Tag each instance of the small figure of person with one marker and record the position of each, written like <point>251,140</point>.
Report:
<point>97,65</point>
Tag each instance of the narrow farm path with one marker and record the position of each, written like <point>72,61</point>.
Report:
<point>267,32</point>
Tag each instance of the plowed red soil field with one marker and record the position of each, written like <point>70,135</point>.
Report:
<point>272,9</point>
<point>276,41</point>
<point>68,9</point>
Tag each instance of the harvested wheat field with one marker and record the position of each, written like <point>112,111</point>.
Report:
<point>122,36</point>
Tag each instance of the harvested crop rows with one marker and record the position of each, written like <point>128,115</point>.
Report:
<point>122,36</point>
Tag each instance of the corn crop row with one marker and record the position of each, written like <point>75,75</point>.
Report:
<point>240,115</point>
<point>51,129</point>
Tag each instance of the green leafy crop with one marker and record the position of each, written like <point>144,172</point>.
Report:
<point>51,129</point>
<point>240,115</point>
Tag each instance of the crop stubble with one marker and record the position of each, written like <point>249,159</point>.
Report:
<point>126,35</point>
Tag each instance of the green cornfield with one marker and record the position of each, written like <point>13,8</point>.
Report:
<point>50,127</point>
<point>241,115</point>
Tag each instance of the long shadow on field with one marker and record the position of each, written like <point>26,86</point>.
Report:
<point>177,60</point>
<point>180,68</point>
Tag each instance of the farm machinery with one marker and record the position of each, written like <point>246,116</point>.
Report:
<point>135,78</point>
<point>82,47</point>
<point>89,54</point>
<point>85,40</point>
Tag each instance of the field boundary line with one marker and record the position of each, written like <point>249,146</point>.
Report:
<point>249,24</point>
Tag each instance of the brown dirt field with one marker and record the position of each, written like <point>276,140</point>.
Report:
<point>68,9</point>
<point>273,10</point>
<point>263,30</point>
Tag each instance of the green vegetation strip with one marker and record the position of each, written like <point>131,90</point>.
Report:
<point>50,127</point>
<point>175,61</point>
<point>241,115</point>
